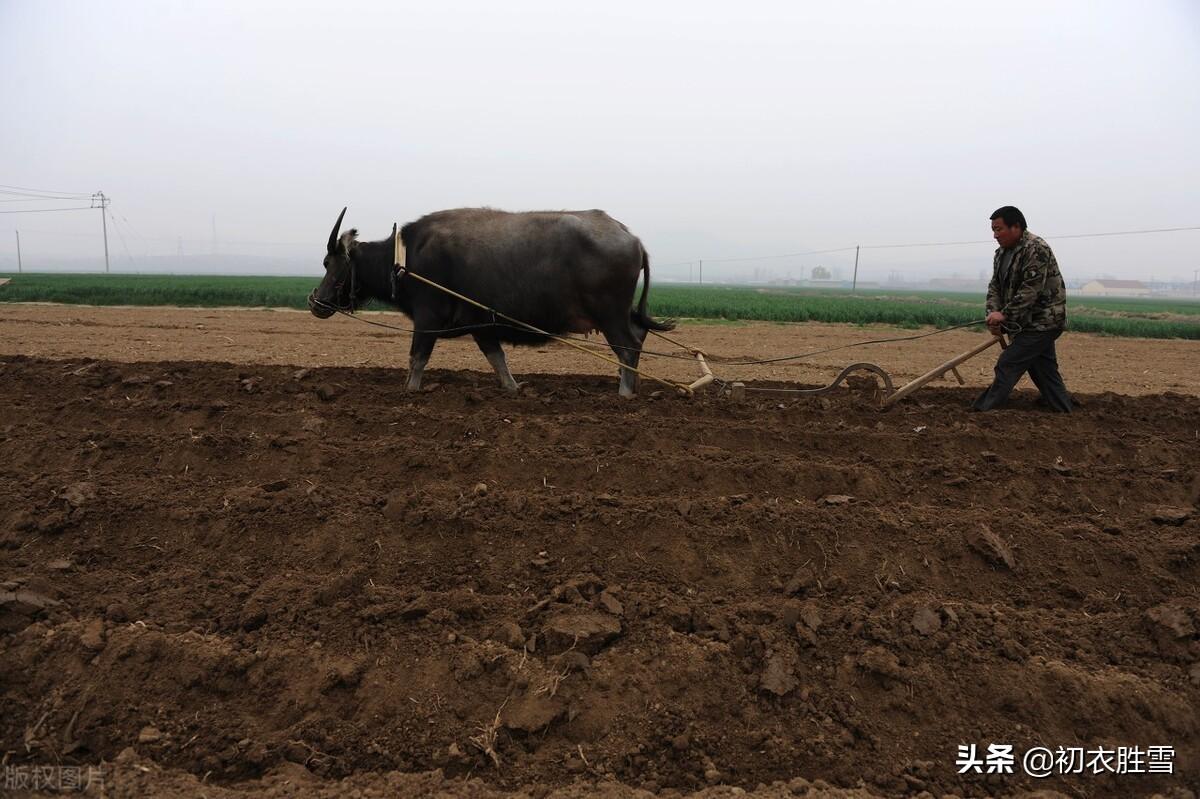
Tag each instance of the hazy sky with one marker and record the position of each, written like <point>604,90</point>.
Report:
<point>712,130</point>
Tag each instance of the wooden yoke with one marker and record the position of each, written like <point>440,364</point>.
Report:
<point>398,250</point>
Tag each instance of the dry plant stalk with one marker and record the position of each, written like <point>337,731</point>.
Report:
<point>551,687</point>
<point>486,739</point>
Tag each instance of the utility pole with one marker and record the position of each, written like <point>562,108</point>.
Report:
<point>99,197</point>
<point>18,252</point>
<point>701,271</point>
<point>854,284</point>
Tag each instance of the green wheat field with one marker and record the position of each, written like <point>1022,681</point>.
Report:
<point>1147,318</point>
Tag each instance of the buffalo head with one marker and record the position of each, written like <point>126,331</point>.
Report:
<point>337,290</point>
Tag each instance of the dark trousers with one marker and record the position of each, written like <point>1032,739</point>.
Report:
<point>1032,352</point>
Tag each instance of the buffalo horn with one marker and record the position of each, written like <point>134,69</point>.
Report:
<point>336,227</point>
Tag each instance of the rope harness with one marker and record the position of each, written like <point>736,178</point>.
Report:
<point>400,271</point>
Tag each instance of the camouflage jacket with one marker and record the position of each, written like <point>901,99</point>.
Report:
<point>1032,294</point>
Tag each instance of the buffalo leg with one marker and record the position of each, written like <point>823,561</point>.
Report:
<point>638,331</point>
<point>628,350</point>
<point>418,356</point>
<point>495,354</point>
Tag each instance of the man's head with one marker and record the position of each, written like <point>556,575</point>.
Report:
<point>1008,223</point>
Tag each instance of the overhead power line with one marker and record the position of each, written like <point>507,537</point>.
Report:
<point>1063,236</point>
<point>924,244</point>
<point>56,233</point>
<point>1125,232</point>
<point>40,199</point>
<point>20,193</point>
<point>49,210</point>
<point>907,245</point>
<point>96,200</point>
<point>784,255</point>
<point>44,191</point>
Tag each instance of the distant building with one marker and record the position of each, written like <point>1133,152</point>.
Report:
<point>822,284</point>
<point>1115,288</point>
<point>958,284</point>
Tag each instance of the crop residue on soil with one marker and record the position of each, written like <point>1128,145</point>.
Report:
<point>246,573</point>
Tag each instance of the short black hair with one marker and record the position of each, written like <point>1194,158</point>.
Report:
<point>1011,216</point>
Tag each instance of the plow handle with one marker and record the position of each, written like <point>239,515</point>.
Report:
<point>934,374</point>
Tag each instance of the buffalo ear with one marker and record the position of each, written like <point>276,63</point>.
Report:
<point>347,240</point>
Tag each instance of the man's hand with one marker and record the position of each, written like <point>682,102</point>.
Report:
<point>994,321</point>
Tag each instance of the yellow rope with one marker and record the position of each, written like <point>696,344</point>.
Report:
<point>679,344</point>
<point>677,386</point>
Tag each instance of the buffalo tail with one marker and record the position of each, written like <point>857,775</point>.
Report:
<point>640,314</point>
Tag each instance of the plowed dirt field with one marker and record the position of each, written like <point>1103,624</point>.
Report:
<point>243,563</point>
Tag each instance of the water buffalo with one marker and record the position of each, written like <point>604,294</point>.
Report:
<point>561,271</point>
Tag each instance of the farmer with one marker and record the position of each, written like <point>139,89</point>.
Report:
<point>1026,297</point>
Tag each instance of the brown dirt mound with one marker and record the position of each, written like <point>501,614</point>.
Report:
<point>311,581</point>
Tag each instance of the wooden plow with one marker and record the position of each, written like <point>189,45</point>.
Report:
<point>706,375</point>
<point>888,395</point>
<point>933,374</point>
